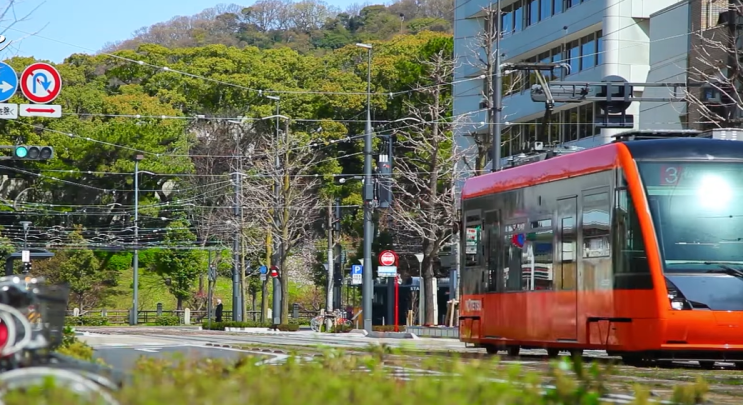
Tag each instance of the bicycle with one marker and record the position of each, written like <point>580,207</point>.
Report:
<point>328,320</point>
<point>32,314</point>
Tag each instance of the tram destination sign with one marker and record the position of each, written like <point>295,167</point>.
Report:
<point>687,174</point>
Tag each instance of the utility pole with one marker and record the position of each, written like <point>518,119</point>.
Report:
<point>135,260</point>
<point>236,243</point>
<point>339,256</point>
<point>329,304</point>
<point>497,112</point>
<point>368,197</point>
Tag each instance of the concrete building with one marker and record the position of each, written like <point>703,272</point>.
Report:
<point>596,37</point>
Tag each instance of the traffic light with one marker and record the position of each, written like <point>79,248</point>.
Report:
<point>26,267</point>
<point>23,152</point>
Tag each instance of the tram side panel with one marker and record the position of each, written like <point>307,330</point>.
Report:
<point>578,295</point>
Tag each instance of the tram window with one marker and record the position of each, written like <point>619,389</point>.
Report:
<point>495,267</point>
<point>631,268</point>
<point>513,254</point>
<point>596,225</point>
<point>543,252</point>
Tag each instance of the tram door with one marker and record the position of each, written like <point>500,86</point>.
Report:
<point>567,250</point>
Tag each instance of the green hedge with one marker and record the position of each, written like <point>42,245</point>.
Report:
<point>86,321</point>
<point>234,324</point>
<point>334,379</point>
<point>167,320</point>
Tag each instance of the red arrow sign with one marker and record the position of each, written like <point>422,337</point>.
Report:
<point>41,110</point>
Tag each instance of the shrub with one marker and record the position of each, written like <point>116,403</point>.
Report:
<point>167,320</point>
<point>326,381</point>
<point>86,321</point>
<point>73,347</point>
<point>233,324</point>
<point>288,327</point>
<point>341,329</point>
<point>387,328</point>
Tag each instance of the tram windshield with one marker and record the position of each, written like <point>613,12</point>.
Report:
<point>697,209</point>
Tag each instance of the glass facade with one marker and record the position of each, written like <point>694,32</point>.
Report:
<point>525,13</point>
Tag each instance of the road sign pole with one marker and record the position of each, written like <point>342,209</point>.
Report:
<point>397,303</point>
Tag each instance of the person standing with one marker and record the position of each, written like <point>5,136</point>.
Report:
<point>218,311</point>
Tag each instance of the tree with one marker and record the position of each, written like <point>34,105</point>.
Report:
<point>290,211</point>
<point>484,52</point>
<point>716,64</point>
<point>424,177</point>
<point>81,271</point>
<point>178,263</point>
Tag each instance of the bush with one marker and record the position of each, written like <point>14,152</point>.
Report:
<point>387,328</point>
<point>341,329</point>
<point>288,327</point>
<point>233,324</point>
<point>167,320</point>
<point>73,347</point>
<point>325,381</point>
<point>86,321</point>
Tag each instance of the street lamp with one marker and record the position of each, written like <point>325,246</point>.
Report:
<point>368,196</point>
<point>135,259</point>
<point>421,299</point>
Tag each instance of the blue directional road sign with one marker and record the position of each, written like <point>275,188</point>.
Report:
<point>356,271</point>
<point>8,82</point>
<point>264,272</point>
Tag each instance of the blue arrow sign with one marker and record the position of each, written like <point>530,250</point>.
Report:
<point>264,270</point>
<point>8,82</point>
<point>356,269</point>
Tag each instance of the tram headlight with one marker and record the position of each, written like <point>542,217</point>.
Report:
<point>677,300</point>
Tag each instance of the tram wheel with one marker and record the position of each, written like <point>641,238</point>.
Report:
<point>553,352</point>
<point>491,349</point>
<point>576,352</point>
<point>707,365</point>
<point>634,360</point>
<point>514,350</point>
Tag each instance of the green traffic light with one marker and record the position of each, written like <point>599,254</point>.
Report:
<point>21,152</point>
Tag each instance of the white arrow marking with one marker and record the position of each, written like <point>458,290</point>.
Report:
<point>148,350</point>
<point>5,86</point>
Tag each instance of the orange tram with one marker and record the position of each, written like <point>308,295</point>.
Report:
<point>634,247</point>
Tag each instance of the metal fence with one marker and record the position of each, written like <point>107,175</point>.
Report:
<point>121,316</point>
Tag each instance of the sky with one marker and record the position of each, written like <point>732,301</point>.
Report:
<point>85,26</point>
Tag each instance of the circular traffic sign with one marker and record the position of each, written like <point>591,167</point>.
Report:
<point>40,83</point>
<point>8,82</point>
<point>387,258</point>
<point>274,271</point>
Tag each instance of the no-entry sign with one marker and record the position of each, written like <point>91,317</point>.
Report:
<point>387,258</point>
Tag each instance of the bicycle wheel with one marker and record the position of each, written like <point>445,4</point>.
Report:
<point>25,378</point>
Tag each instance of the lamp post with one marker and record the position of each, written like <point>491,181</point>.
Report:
<point>135,259</point>
<point>368,196</point>
<point>421,298</point>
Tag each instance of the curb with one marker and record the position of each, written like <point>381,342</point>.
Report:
<point>392,335</point>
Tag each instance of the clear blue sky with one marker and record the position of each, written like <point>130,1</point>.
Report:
<point>84,26</point>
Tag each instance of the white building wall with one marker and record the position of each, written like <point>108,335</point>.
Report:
<point>669,57</point>
<point>625,26</point>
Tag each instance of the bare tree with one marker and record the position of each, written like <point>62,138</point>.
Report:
<point>9,19</point>
<point>714,64</point>
<point>424,178</point>
<point>264,15</point>
<point>283,199</point>
<point>483,48</point>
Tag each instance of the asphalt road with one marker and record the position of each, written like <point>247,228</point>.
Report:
<point>125,357</point>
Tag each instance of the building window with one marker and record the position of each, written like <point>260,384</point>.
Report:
<point>588,52</point>
<point>518,18</point>
<point>599,48</point>
<point>557,6</point>
<point>546,9</point>
<point>533,17</point>
<point>573,56</point>
<point>507,19</point>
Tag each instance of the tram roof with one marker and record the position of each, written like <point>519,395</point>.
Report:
<point>601,158</point>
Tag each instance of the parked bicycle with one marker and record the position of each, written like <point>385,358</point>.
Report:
<point>32,314</point>
<point>328,320</point>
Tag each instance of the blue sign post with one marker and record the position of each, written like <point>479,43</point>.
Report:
<point>264,273</point>
<point>356,272</point>
<point>8,82</point>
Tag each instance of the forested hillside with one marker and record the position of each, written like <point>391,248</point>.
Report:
<point>305,26</point>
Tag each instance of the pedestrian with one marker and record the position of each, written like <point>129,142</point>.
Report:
<point>219,311</point>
